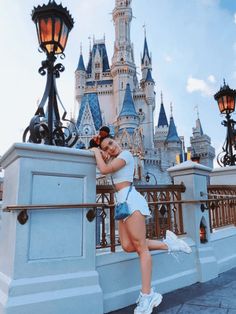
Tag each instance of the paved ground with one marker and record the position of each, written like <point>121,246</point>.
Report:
<point>216,296</point>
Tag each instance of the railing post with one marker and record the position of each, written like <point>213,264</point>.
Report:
<point>48,265</point>
<point>195,177</point>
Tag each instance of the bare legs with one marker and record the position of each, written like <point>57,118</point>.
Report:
<point>133,239</point>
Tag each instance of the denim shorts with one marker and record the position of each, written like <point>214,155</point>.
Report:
<point>135,200</point>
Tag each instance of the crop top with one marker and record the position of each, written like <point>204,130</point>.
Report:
<point>126,173</point>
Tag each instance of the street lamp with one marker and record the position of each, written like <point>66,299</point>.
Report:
<point>53,24</point>
<point>226,102</point>
<point>147,177</point>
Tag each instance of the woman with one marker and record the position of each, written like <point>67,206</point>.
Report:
<point>132,230</point>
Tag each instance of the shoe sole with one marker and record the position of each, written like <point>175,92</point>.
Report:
<point>155,304</point>
<point>186,248</point>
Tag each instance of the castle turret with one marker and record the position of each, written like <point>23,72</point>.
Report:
<point>150,100</point>
<point>201,146</point>
<point>162,127</point>
<point>128,117</point>
<point>80,81</point>
<point>123,69</point>
<point>146,60</point>
<point>173,143</point>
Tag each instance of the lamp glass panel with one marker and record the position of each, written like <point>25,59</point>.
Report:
<point>221,104</point>
<point>231,103</point>
<point>45,26</point>
<point>64,34</point>
<point>57,29</point>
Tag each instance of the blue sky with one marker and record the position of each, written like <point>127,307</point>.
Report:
<point>192,42</point>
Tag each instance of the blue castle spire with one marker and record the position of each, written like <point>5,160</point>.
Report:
<point>128,108</point>
<point>81,66</point>
<point>145,51</point>
<point>149,76</point>
<point>162,120</point>
<point>172,135</point>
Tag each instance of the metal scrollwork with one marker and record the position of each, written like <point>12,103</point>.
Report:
<point>47,126</point>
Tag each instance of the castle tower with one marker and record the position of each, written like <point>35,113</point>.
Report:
<point>150,100</point>
<point>201,146</point>
<point>161,130</point>
<point>80,82</point>
<point>128,118</point>
<point>173,143</point>
<point>146,60</point>
<point>123,69</point>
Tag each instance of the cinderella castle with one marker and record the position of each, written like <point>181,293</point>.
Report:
<point>110,93</point>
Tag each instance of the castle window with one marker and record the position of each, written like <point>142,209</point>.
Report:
<point>97,76</point>
<point>97,65</point>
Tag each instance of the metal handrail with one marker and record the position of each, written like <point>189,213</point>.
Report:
<point>23,216</point>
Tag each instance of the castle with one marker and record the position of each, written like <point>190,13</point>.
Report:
<point>112,95</point>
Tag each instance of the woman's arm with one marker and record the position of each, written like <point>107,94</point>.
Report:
<point>104,168</point>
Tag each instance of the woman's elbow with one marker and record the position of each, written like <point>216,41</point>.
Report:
<point>104,172</point>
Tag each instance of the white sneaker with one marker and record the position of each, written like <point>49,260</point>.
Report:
<point>146,302</point>
<point>175,244</point>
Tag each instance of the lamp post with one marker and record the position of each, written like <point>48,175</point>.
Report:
<point>53,24</point>
<point>226,102</point>
<point>147,177</point>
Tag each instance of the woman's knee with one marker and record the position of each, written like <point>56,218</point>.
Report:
<point>140,246</point>
<point>128,247</point>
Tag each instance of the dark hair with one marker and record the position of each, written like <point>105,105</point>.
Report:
<point>104,132</point>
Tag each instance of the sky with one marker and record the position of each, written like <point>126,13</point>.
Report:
<point>192,43</point>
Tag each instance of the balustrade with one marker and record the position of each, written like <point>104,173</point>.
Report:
<point>222,205</point>
<point>165,205</point>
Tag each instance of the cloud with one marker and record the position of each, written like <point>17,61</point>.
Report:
<point>211,78</point>
<point>168,59</point>
<point>197,85</point>
<point>235,18</point>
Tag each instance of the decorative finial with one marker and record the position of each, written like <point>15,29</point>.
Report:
<point>171,109</point>
<point>81,48</point>
<point>89,38</point>
<point>104,37</point>
<point>161,98</point>
<point>144,28</point>
<point>196,108</point>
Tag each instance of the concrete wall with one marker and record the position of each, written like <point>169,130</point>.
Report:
<point>50,265</point>
<point>223,175</point>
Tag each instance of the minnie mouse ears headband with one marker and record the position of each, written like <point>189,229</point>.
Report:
<point>103,133</point>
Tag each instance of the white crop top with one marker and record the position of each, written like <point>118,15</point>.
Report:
<point>126,173</point>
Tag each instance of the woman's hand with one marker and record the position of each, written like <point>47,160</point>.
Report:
<point>94,149</point>
<point>105,155</point>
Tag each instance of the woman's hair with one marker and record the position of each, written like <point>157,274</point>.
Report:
<point>104,132</point>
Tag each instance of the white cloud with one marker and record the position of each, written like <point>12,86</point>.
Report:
<point>168,59</point>
<point>197,85</point>
<point>235,18</point>
<point>211,78</point>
